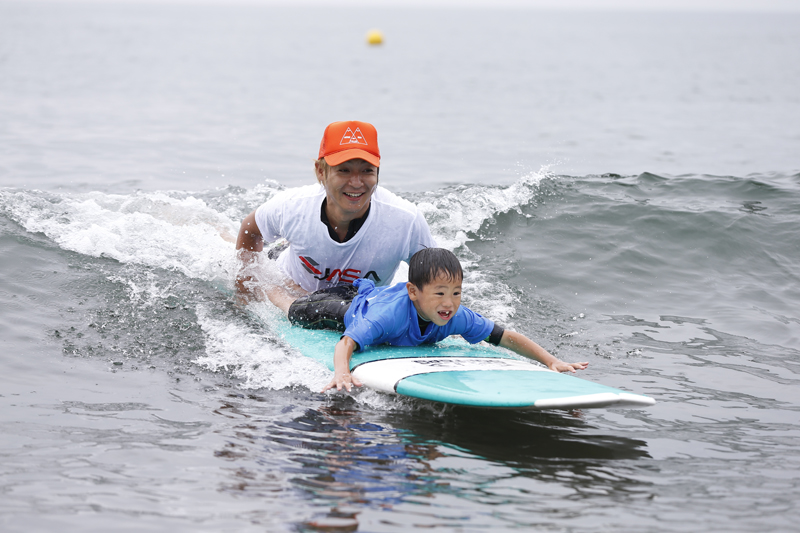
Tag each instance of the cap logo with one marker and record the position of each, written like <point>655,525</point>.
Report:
<point>353,138</point>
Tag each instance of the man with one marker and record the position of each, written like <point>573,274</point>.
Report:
<point>344,228</point>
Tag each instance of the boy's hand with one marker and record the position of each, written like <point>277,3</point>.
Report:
<point>561,366</point>
<point>341,366</point>
<point>344,379</point>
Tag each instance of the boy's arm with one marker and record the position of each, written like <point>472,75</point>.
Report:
<point>341,365</point>
<point>522,345</point>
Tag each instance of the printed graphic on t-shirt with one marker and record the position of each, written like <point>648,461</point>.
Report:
<point>353,138</point>
<point>346,275</point>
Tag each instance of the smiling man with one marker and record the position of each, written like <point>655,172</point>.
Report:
<point>343,228</point>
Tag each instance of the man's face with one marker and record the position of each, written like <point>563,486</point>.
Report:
<point>349,187</point>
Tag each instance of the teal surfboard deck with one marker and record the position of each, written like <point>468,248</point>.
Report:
<point>456,372</point>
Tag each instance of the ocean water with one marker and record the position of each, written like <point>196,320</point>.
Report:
<point>622,187</point>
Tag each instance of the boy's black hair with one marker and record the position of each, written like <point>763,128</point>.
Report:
<point>428,263</point>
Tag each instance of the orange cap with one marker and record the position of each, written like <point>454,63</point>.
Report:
<point>351,139</point>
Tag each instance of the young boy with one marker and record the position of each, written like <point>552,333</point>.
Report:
<point>425,310</point>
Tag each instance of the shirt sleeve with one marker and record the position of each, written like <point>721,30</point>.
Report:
<point>269,216</point>
<point>473,326</point>
<point>420,235</point>
<point>364,332</point>
<point>496,335</point>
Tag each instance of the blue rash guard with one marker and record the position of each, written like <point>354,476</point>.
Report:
<point>386,315</point>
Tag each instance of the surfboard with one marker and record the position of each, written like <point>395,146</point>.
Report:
<point>456,372</point>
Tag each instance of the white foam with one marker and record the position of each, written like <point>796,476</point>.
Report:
<point>454,214</point>
<point>152,229</point>
<point>466,209</point>
<point>180,232</point>
<point>147,293</point>
<point>255,357</point>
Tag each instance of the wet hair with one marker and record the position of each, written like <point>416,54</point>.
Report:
<point>429,263</point>
<point>324,167</point>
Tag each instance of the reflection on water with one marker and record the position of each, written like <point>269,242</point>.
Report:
<point>347,462</point>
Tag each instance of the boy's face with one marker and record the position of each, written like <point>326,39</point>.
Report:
<point>437,301</point>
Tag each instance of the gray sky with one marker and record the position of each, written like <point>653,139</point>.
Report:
<point>673,5</point>
<point>688,5</point>
<point>695,5</point>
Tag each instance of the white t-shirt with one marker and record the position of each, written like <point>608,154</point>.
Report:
<point>393,231</point>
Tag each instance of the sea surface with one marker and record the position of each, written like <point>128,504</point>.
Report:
<point>623,187</point>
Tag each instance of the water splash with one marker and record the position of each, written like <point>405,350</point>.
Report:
<point>174,232</point>
<point>255,357</point>
<point>193,235</point>
<point>455,213</point>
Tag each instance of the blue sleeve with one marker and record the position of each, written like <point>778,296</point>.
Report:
<point>377,314</point>
<point>472,326</point>
<point>365,332</point>
<point>358,327</point>
<point>371,325</point>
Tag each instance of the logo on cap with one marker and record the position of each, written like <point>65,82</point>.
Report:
<point>353,138</point>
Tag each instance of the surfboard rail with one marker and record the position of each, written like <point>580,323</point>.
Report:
<point>458,373</point>
<point>499,383</point>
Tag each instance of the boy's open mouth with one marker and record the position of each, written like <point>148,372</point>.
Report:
<point>445,314</point>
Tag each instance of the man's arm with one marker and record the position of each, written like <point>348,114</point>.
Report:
<point>248,243</point>
<point>250,237</point>
<point>519,343</point>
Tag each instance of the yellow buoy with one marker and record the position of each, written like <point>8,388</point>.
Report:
<point>374,37</point>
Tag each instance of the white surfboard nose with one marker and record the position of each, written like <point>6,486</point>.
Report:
<point>492,382</point>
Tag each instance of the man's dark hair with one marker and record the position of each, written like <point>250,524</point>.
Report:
<point>429,263</point>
